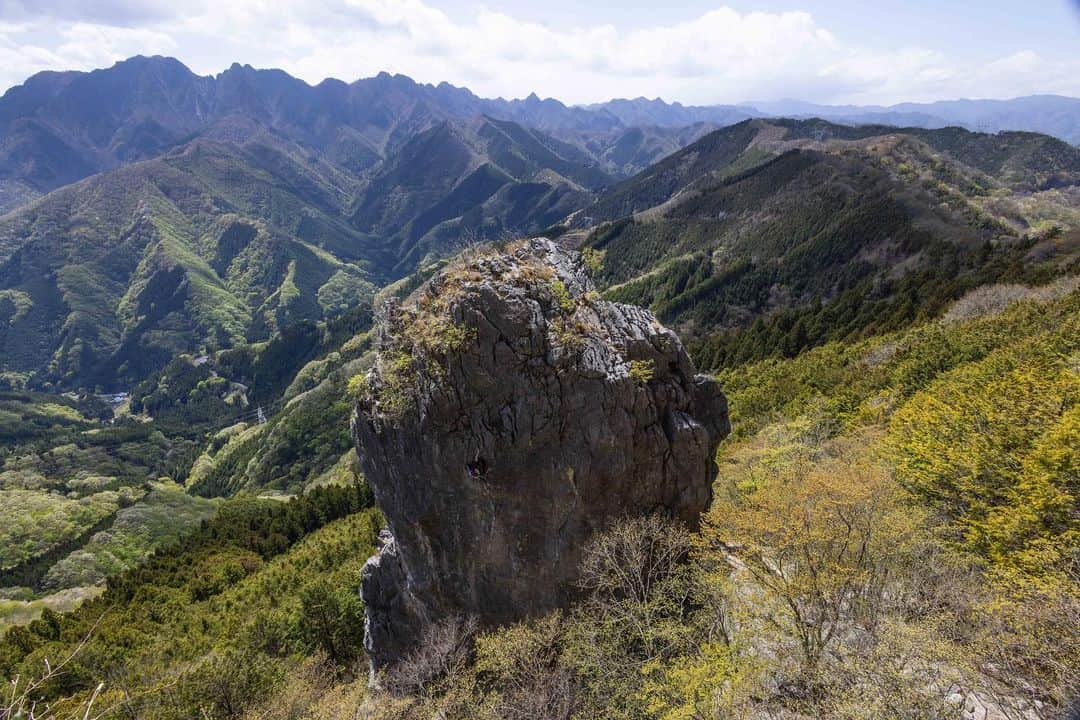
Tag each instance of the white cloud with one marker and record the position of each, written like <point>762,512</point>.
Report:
<point>75,46</point>
<point>1023,61</point>
<point>721,56</point>
<point>90,45</point>
<point>110,12</point>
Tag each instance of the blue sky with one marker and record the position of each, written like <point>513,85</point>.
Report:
<point>696,52</point>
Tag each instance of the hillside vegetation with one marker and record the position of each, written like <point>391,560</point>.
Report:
<point>83,498</point>
<point>933,472</point>
<point>217,619</point>
<point>91,489</point>
<point>769,237</point>
<point>187,304</point>
<point>201,249</point>
<point>218,243</point>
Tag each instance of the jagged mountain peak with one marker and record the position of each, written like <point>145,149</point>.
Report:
<point>75,124</point>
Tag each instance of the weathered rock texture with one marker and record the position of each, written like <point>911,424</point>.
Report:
<point>510,414</point>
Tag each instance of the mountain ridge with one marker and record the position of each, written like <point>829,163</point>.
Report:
<point>242,230</point>
<point>58,127</point>
<point>770,236</point>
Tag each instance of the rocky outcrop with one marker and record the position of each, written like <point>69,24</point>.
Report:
<point>509,415</point>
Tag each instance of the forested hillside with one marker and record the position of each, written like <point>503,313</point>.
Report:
<point>770,237</point>
<point>216,244</point>
<point>218,619</point>
<point>106,280</point>
<point>93,486</point>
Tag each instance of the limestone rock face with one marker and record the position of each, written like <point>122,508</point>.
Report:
<point>510,414</point>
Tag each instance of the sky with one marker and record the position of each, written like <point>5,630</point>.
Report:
<point>697,52</point>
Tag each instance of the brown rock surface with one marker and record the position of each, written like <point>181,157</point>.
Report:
<point>511,413</point>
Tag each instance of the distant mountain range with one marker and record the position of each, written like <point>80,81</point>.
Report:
<point>1048,114</point>
<point>59,127</point>
<point>151,211</point>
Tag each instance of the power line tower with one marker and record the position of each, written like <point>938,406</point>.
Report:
<point>261,416</point>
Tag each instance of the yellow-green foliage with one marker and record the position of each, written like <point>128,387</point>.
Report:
<point>226,443</point>
<point>776,448</point>
<point>568,334</point>
<point>1041,516</point>
<point>441,335</point>
<point>14,304</point>
<point>988,444</point>
<point>642,371</point>
<point>690,686</point>
<point>813,531</point>
<point>15,612</point>
<point>562,297</point>
<point>397,380</point>
<point>359,385</point>
<point>159,518</point>
<point>430,326</point>
<point>593,259</point>
<point>316,372</point>
<point>356,345</point>
<point>343,290</point>
<point>56,413</point>
<point>969,408</point>
<point>35,521</point>
<point>511,660</point>
<point>978,421</point>
<point>344,473</point>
